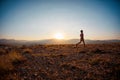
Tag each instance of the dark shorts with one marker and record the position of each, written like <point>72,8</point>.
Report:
<point>81,39</point>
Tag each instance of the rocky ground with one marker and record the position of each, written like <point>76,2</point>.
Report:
<point>66,62</point>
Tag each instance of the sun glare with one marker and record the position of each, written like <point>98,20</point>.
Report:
<point>59,36</point>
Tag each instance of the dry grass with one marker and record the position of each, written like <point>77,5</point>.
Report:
<point>61,62</point>
<point>8,62</point>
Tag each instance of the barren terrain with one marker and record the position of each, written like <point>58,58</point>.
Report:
<point>60,62</point>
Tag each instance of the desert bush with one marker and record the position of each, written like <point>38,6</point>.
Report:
<point>27,50</point>
<point>97,51</point>
<point>15,57</point>
<point>69,66</point>
<point>82,51</point>
<point>95,61</point>
<point>57,55</point>
<point>5,65</point>
<point>6,62</point>
<point>2,51</point>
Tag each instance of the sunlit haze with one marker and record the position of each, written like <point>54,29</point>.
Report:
<point>59,36</point>
<point>59,19</point>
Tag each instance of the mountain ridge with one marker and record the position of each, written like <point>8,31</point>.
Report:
<point>55,41</point>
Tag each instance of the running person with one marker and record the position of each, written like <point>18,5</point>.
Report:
<point>81,38</point>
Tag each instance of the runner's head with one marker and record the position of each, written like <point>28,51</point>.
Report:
<point>81,31</point>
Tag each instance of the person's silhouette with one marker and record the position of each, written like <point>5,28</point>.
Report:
<point>81,38</point>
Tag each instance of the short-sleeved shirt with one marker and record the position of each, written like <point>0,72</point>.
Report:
<point>81,36</point>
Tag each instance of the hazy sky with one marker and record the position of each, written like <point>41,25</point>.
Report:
<point>42,19</point>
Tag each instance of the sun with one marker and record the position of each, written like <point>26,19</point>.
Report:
<point>59,36</point>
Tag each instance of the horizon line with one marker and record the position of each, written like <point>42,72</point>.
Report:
<point>55,39</point>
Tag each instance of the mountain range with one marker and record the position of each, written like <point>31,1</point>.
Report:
<point>54,41</point>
